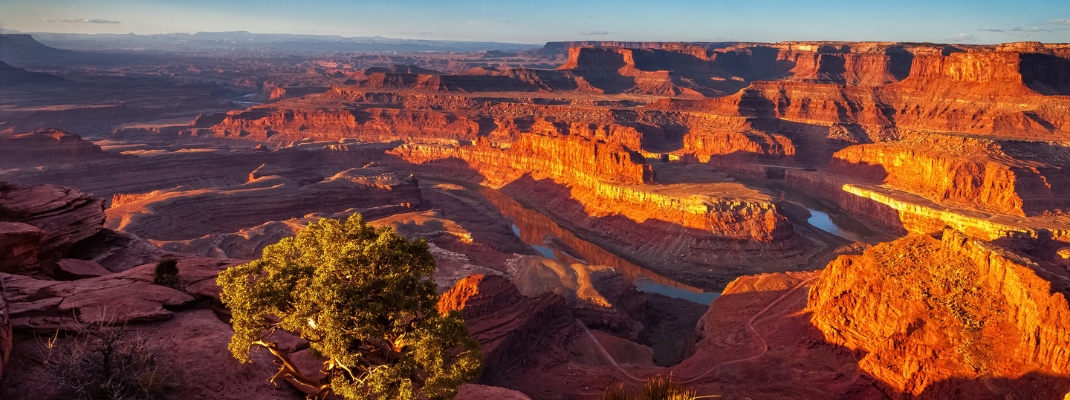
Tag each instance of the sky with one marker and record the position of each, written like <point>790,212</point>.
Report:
<point>539,21</point>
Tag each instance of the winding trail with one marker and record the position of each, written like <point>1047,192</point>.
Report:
<point>750,327</point>
<point>606,353</point>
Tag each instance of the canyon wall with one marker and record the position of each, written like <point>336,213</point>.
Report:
<point>933,316</point>
<point>370,124</point>
<point>608,191</point>
<point>960,171</point>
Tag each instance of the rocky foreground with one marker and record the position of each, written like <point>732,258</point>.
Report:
<point>920,316</point>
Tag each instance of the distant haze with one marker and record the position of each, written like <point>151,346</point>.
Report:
<point>979,21</point>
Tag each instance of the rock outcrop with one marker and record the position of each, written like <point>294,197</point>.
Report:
<point>372,124</point>
<point>966,172</point>
<point>47,146</point>
<point>61,216</point>
<point>18,246</point>
<point>116,298</point>
<point>935,316</point>
<point>507,324</point>
<point>756,341</point>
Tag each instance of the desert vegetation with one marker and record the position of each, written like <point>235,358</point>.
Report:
<point>106,361</point>
<point>362,299</point>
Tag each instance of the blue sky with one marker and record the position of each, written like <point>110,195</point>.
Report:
<point>979,21</point>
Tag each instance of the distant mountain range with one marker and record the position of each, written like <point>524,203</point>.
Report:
<point>258,42</point>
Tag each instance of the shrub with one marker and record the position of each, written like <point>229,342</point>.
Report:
<point>105,362</point>
<point>166,273</point>
<point>658,387</point>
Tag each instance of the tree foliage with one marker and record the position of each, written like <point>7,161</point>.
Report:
<point>364,300</point>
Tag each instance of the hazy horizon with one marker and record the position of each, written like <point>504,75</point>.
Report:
<point>978,22</point>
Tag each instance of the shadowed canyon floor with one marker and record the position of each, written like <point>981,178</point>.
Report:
<point>791,220</point>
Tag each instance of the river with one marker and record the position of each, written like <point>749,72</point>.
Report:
<point>552,241</point>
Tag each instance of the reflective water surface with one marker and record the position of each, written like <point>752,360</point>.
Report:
<point>552,241</point>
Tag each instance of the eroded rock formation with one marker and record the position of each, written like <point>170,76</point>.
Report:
<point>505,322</point>
<point>595,186</point>
<point>934,316</point>
<point>183,215</point>
<point>967,172</point>
<point>57,216</point>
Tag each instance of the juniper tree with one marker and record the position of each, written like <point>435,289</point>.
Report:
<point>364,300</point>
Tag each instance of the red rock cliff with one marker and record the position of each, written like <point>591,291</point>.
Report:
<point>934,314</point>
<point>960,171</point>
<point>606,190</point>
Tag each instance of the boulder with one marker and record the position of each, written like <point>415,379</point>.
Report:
<point>77,269</point>
<point>482,392</point>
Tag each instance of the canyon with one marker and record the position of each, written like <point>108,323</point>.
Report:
<point>759,220</point>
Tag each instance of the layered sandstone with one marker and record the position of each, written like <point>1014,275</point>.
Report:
<point>714,223</point>
<point>936,315</point>
<point>730,146</point>
<point>47,146</point>
<point>192,339</point>
<point>899,213</point>
<point>63,216</point>
<point>756,341</point>
<point>128,296</point>
<point>183,214</point>
<point>372,124</point>
<point>959,171</point>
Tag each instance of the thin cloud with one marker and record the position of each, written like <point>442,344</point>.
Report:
<point>1060,21</point>
<point>961,38</point>
<point>83,21</point>
<point>596,33</point>
<point>1018,31</point>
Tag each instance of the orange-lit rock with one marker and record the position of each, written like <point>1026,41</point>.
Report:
<point>602,192</point>
<point>181,214</point>
<point>936,316</point>
<point>371,124</point>
<point>708,145</point>
<point>965,172</point>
